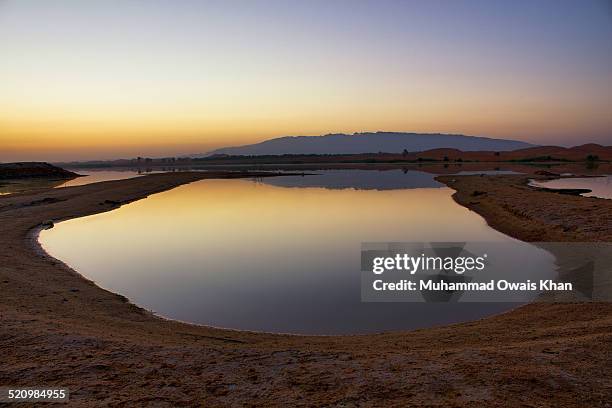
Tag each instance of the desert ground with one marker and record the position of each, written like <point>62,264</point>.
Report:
<point>58,328</point>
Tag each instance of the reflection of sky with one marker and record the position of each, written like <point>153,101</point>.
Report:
<point>110,79</point>
<point>246,255</point>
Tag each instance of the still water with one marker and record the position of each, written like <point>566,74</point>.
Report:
<point>98,175</point>
<point>599,186</point>
<point>278,254</point>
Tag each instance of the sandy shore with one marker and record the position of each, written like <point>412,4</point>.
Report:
<point>57,328</point>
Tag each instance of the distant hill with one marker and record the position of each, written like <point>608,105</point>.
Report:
<point>34,170</point>
<point>584,152</point>
<point>576,153</point>
<point>387,142</point>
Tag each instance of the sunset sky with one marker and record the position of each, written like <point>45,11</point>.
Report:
<point>110,79</point>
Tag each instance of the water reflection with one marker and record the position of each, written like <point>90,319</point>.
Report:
<point>599,186</point>
<point>358,179</point>
<point>234,253</point>
<point>385,179</point>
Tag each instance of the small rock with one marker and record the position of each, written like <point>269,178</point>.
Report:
<point>47,224</point>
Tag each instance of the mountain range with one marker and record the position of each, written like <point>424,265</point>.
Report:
<point>369,142</point>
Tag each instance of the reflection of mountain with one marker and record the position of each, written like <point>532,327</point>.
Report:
<point>391,142</point>
<point>358,179</point>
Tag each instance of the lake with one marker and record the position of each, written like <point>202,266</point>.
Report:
<point>276,254</point>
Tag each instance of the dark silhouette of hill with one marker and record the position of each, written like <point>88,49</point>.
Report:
<point>586,152</point>
<point>357,143</point>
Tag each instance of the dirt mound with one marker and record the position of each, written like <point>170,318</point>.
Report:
<point>34,170</point>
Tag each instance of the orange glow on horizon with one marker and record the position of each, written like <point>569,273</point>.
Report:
<point>158,85</point>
